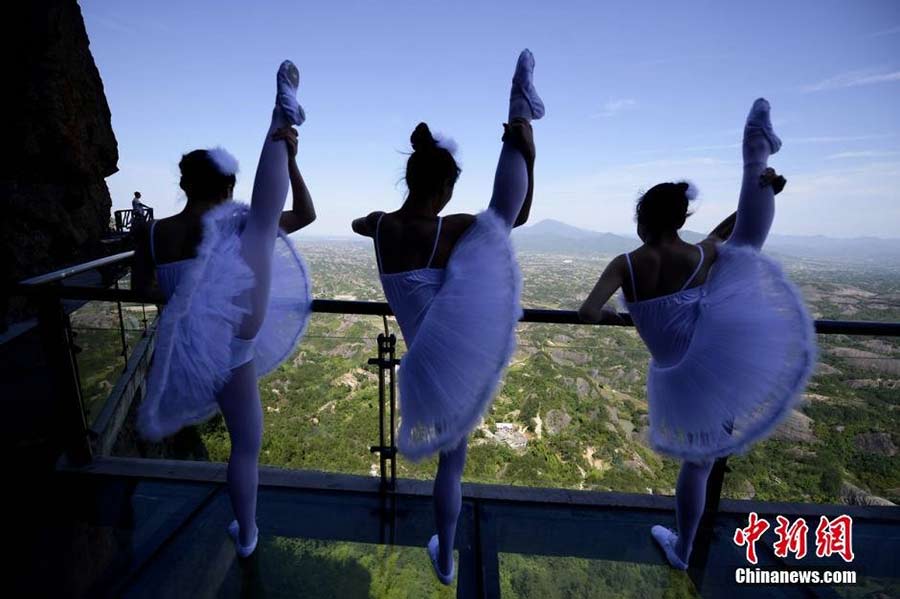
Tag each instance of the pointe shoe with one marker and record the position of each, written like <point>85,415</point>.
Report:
<point>244,551</point>
<point>287,81</point>
<point>759,120</point>
<point>524,101</point>
<point>446,579</point>
<point>666,540</point>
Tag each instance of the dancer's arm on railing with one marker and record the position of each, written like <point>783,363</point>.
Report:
<point>302,212</point>
<point>594,309</point>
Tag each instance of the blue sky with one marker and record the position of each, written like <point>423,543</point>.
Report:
<point>636,93</point>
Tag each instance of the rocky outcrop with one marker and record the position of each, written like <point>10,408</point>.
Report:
<point>556,421</point>
<point>853,495</point>
<point>874,384</point>
<point>868,360</point>
<point>796,427</point>
<point>875,443</point>
<point>58,144</point>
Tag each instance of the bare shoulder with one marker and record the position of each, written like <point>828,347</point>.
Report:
<point>166,225</point>
<point>617,267</point>
<point>366,225</point>
<point>619,263</point>
<point>458,222</point>
<point>710,247</point>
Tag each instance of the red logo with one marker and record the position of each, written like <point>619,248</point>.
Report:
<point>748,536</point>
<point>835,536</point>
<point>832,537</point>
<point>791,539</point>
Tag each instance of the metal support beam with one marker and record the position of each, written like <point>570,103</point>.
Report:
<point>56,335</point>
<point>387,393</point>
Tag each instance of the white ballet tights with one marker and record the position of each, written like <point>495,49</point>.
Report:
<point>510,188</point>
<point>239,398</point>
<point>756,206</point>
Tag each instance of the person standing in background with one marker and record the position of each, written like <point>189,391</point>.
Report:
<point>138,211</point>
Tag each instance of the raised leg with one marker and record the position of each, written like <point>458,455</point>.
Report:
<point>512,180</point>
<point>270,188</point>
<point>510,184</point>
<point>756,206</point>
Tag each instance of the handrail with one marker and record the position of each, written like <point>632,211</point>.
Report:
<point>370,308</point>
<point>64,273</point>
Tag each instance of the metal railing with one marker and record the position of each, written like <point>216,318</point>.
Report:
<point>48,291</point>
<point>125,219</point>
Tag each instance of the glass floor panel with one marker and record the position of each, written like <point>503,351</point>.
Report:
<point>553,577</point>
<point>114,536</point>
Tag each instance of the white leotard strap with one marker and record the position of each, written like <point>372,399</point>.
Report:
<point>152,248</point>
<point>631,273</point>
<point>696,270</point>
<point>437,237</point>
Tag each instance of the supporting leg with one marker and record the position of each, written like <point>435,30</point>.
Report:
<point>240,405</point>
<point>447,505</point>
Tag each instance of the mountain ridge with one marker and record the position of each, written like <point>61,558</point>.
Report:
<point>551,235</point>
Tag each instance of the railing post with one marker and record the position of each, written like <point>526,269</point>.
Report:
<point>386,362</point>
<point>391,350</point>
<point>144,317</point>
<point>56,336</point>
<point>380,447</point>
<point>122,328</point>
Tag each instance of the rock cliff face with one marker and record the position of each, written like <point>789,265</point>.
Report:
<point>57,145</point>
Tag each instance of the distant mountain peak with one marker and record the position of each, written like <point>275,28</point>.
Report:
<point>550,226</point>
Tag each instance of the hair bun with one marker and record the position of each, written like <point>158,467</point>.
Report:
<point>223,161</point>
<point>421,138</point>
<point>689,190</point>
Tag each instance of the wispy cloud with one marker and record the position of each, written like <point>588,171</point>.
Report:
<point>828,139</point>
<point>113,24</point>
<point>126,26</point>
<point>835,198</point>
<point>691,59</point>
<point>854,79</point>
<point>712,148</point>
<point>862,154</point>
<point>615,107</point>
<point>789,140</point>
<point>882,33</point>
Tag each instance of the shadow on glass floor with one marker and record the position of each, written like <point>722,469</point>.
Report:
<point>329,545</point>
<point>554,552</point>
<point>115,537</point>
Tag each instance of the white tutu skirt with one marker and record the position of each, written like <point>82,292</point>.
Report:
<point>451,371</point>
<point>751,354</point>
<point>193,351</point>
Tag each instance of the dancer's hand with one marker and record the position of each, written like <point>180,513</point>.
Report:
<point>521,135</point>
<point>770,177</point>
<point>290,138</point>
<point>611,316</point>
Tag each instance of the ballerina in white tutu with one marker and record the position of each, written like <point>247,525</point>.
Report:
<point>732,344</point>
<point>237,298</point>
<point>454,284</point>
